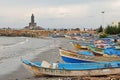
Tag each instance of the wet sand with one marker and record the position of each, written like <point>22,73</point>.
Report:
<point>50,56</point>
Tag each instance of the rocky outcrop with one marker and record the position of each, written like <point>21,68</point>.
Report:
<point>25,33</point>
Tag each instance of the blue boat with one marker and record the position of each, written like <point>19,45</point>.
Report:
<point>112,51</point>
<point>106,52</point>
<point>72,69</point>
<point>73,57</point>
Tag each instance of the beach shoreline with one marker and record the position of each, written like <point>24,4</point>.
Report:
<point>51,55</point>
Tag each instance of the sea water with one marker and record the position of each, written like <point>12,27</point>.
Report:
<point>12,49</point>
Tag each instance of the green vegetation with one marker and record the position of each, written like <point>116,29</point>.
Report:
<point>100,29</point>
<point>103,35</point>
<point>112,30</point>
<point>119,29</point>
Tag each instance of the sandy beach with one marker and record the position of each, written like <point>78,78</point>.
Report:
<point>51,55</point>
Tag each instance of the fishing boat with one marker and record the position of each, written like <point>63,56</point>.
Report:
<point>73,57</point>
<point>112,51</point>
<point>99,51</point>
<point>72,69</point>
<point>117,47</point>
<point>103,43</point>
<point>96,51</point>
<point>107,52</point>
<point>80,46</point>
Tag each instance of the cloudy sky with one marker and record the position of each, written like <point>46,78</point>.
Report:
<point>59,13</point>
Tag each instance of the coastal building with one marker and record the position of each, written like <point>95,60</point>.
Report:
<point>115,23</point>
<point>33,25</point>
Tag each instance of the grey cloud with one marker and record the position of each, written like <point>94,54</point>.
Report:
<point>23,8</point>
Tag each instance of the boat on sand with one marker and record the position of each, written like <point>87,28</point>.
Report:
<point>72,69</point>
<point>74,57</point>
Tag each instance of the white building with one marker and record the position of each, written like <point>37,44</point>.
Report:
<point>115,23</point>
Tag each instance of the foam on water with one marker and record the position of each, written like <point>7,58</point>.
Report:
<point>12,64</point>
<point>3,46</point>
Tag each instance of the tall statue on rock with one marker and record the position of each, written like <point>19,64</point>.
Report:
<point>32,18</point>
<point>33,25</point>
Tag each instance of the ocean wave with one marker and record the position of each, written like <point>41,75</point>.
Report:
<point>31,48</point>
<point>31,53</point>
<point>3,46</point>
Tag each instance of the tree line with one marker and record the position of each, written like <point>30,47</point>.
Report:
<point>109,29</point>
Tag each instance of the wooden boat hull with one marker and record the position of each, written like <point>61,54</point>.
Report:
<point>33,70</point>
<point>41,71</point>
<point>73,60</point>
<point>100,52</point>
<point>97,51</point>
<point>73,57</point>
<point>78,46</point>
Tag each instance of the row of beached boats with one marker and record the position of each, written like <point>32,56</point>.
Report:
<point>99,49</point>
<point>94,61</point>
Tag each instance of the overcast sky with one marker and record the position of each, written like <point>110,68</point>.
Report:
<point>59,13</point>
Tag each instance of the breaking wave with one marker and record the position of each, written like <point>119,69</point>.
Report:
<point>13,44</point>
